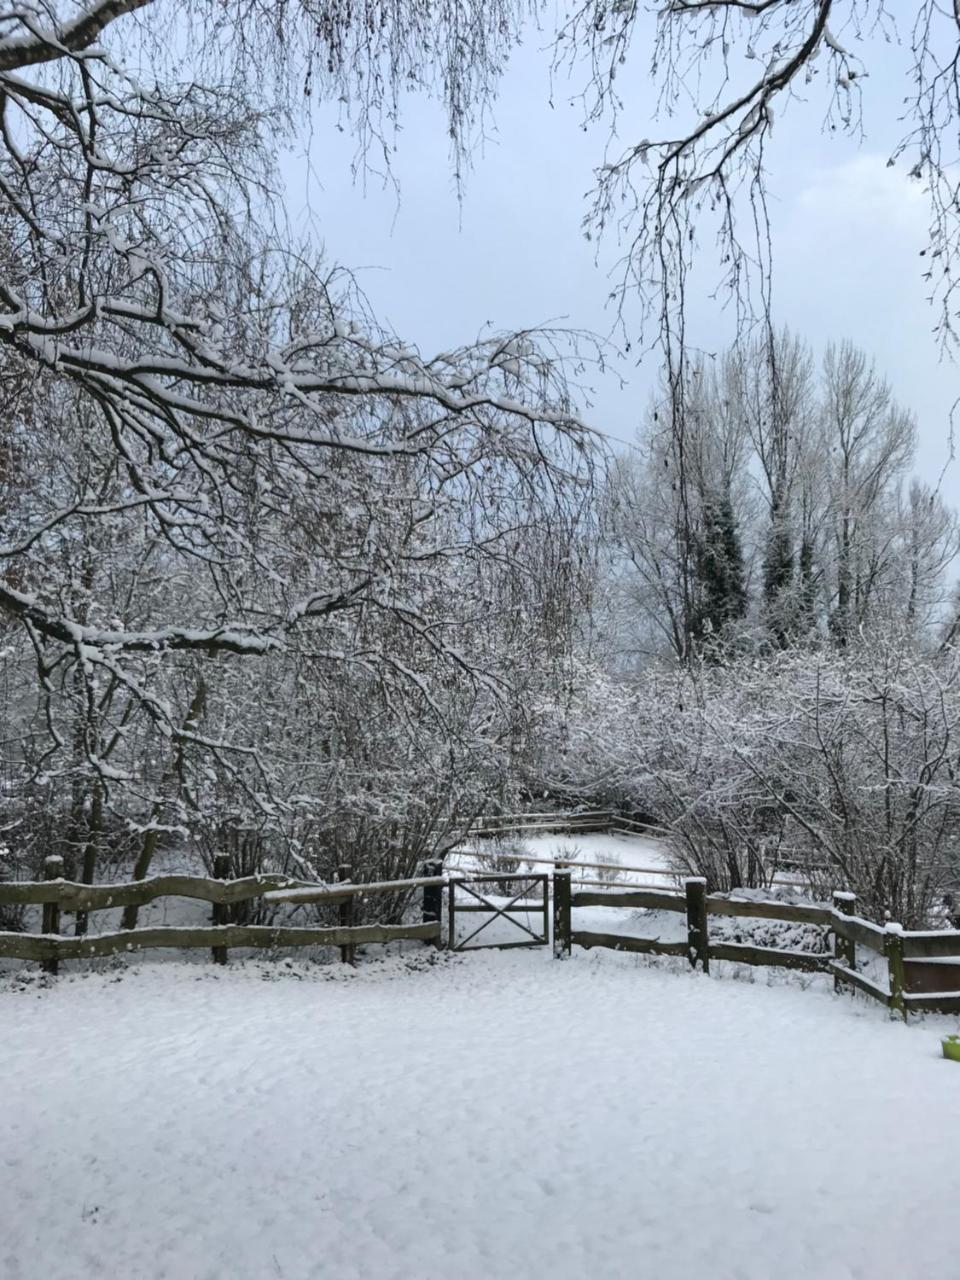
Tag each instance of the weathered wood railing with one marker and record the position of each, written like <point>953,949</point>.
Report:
<point>784,871</point>
<point>532,823</point>
<point>917,970</point>
<point>58,896</point>
<point>912,960</point>
<point>594,820</point>
<point>931,971</point>
<point>697,906</point>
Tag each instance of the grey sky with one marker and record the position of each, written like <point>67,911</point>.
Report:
<point>848,231</point>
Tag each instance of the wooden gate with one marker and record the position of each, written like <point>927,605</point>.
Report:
<point>497,900</point>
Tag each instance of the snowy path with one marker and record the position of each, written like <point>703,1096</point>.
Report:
<point>609,847</point>
<point>491,1116</point>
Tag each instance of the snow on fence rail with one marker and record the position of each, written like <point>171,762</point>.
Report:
<point>785,871</point>
<point>663,872</point>
<point>922,968</point>
<point>580,866</point>
<point>57,895</point>
<point>51,948</point>
<point>606,820</point>
<point>586,820</point>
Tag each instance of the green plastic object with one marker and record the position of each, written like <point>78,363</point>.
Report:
<point>951,1047</point>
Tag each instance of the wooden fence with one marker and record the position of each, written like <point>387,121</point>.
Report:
<point>602,820</point>
<point>918,970</point>
<point>57,896</point>
<point>922,969</point>
<point>783,870</point>
<point>534,823</point>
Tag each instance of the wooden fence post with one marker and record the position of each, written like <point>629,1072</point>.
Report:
<point>562,941</point>
<point>433,897</point>
<point>52,870</point>
<point>345,914</point>
<point>221,912</point>
<point>452,911</point>
<point>697,935</point>
<point>893,950</point>
<point>844,949</point>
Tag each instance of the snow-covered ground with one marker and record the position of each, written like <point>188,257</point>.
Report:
<point>638,859</point>
<point>483,1117</point>
<point>632,861</point>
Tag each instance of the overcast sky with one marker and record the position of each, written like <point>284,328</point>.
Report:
<point>848,232</point>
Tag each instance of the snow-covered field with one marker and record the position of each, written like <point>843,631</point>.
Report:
<point>638,859</point>
<point>610,848</point>
<point>497,1115</point>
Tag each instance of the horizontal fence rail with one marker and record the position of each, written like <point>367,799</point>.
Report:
<point>637,899</point>
<point>604,820</point>
<point>586,866</point>
<point>624,942</point>
<point>72,896</point>
<point>744,953</point>
<point>57,895</point>
<point>911,958</point>
<point>917,970</point>
<point>860,981</point>
<point>619,868</point>
<point>861,931</point>
<point>588,820</point>
<point>933,944</point>
<point>26,946</point>
<point>790,912</point>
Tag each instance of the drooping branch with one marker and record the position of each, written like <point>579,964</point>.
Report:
<point>214,451</point>
<point>68,38</point>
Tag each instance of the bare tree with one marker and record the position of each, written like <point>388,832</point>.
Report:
<point>229,458</point>
<point>725,69</point>
<point>810,474</point>
<point>928,544</point>
<point>870,443</point>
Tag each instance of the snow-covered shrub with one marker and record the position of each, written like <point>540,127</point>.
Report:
<point>783,934</point>
<point>644,745</point>
<point>609,874</point>
<point>863,766</point>
<point>841,762</point>
<point>582,745</point>
<point>503,856</point>
<point>11,917</point>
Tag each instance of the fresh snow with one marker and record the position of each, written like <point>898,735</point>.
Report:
<point>647,853</point>
<point>501,1115</point>
<point>642,859</point>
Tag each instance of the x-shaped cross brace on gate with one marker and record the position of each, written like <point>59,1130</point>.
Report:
<point>497,911</point>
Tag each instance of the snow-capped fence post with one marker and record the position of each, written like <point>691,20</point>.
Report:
<point>433,896</point>
<point>561,911</point>
<point>697,935</point>
<point>452,911</point>
<point>893,950</point>
<point>52,870</point>
<point>345,913</point>
<point>221,912</point>
<point>844,949</point>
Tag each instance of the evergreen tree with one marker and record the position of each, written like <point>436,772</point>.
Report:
<point>721,578</point>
